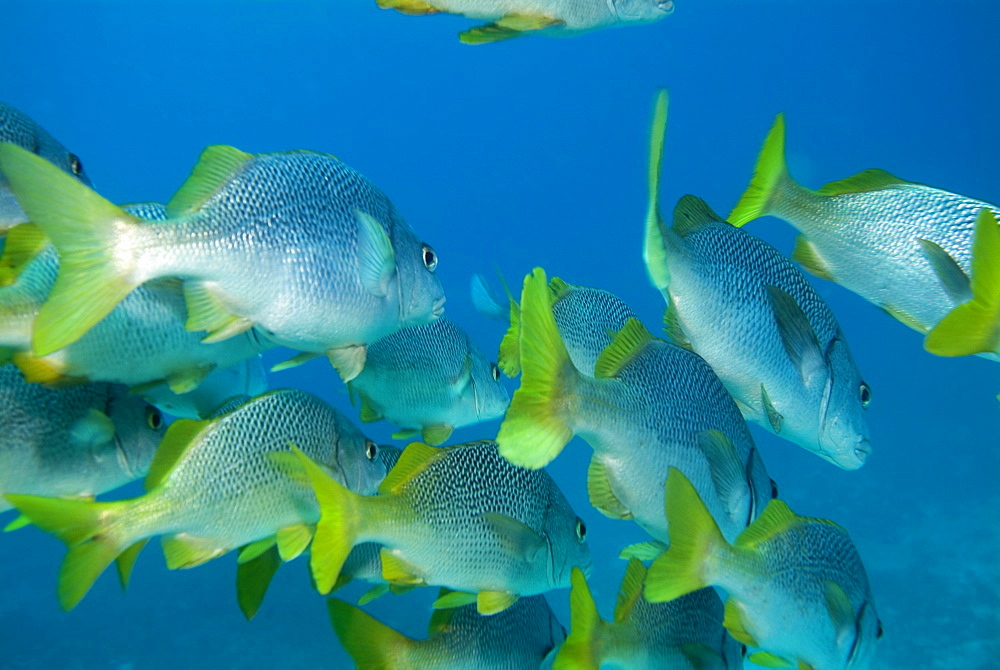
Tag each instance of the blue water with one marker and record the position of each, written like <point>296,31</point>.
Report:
<point>533,152</point>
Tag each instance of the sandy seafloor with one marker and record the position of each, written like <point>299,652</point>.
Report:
<point>532,152</point>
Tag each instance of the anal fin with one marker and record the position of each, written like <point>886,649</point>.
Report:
<point>207,311</point>
<point>602,497</point>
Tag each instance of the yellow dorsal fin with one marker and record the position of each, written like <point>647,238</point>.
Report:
<point>626,345</point>
<point>180,436</point>
<point>775,519</point>
<point>558,288</point>
<point>631,589</point>
<point>863,182</point>
<point>691,213</point>
<point>412,461</point>
<point>214,168</point>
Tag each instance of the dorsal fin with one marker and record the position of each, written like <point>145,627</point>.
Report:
<point>863,182</point>
<point>509,355</point>
<point>180,436</point>
<point>690,213</point>
<point>558,288</point>
<point>414,459</point>
<point>775,519</point>
<point>626,345</point>
<point>631,589</point>
<point>214,168</point>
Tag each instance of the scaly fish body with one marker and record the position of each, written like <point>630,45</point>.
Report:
<point>796,587</point>
<point>650,405</point>
<point>17,128</point>
<point>215,486</point>
<point>460,517</point>
<point>886,239</point>
<point>142,341</point>
<point>341,266</point>
<point>431,378</point>
<point>78,441</point>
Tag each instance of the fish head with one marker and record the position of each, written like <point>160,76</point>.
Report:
<point>843,431</point>
<point>566,536</point>
<point>859,645</point>
<point>139,427</point>
<point>642,10</point>
<point>490,396</point>
<point>357,460</point>
<point>763,489</point>
<point>421,296</point>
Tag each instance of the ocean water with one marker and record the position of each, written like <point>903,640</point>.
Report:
<point>532,153</point>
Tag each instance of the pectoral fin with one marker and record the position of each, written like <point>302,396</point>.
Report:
<point>601,495</point>
<point>348,361</point>
<point>955,282</point>
<point>773,416</point>
<point>436,434</point>
<point>293,540</point>
<point>92,430</point>
<point>808,256</point>
<point>207,310</point>
<point>454,599</point>
<point>187,551</point>
<point>519,539</point>
<point>396,570</point>
<point>511,25</point>
<point>376,257</point>
<point>493,602</point>
<point>797,335</point>
<point>410,7</point>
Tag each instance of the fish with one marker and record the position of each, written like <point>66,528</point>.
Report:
<point>556,18</point>
<point>458,638</point>
<point>973,327</point>
<point>781,353</point>
<point>796,587</point>
<point>461,517</point>
<point>74,442</point>
<point>213,487</point>
<point>685,633</point>
<point>429,380</point>
<point>342,267</point>
<point>142,342</point>
<point>649,405</point>
<point>18,128</point>
<point>903,246</point>
<point>219,388</point>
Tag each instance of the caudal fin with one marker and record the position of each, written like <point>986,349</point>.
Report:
<point>582,648</point>
<point>768,175</point>
<point>372,644</point>
<point>337,529</point>
<point>536,427</point>
<point>654,249</point>
<point>694,536</point>
<point>974,327</point>
<point>81,525</point>
<point>82,226</point>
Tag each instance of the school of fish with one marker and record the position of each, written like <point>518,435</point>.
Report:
<point>115,318</point>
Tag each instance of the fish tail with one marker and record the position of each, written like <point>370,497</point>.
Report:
<point>338,526</point>
<point>582,648</point>
<point>769,175</point>
<point>694,536</point>
<point>654,248</point>
<point>83,525</point>
<point>537,427</point>
<point>82,226</point>
<point>974,327</point>
<point>371,643</point>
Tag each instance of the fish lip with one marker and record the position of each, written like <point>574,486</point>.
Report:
<point>438,308</point>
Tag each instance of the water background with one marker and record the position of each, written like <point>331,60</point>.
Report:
<point>533,152</point>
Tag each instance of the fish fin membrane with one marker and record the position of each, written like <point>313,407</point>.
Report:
<point>631,589</point>
<point>806,254</point>
<point>449,601</point>
<point>183,551</point>
<point>126,561</point>
<point>691,213</point>
<point>582,648</point>
<point>733,621</point>
<point>348,361</point>
<point>485,302</point>
<point>207,311</point>
<point>21,244</point>
<point>436,434</point>
<point>654,249</point>
<point>410,7</point>
<point>83,227</point>
<point>768,660</point>
<point>414,460</point>
<point>486,34</point>
<point>494,602</point>
<point>509,354</point>
<point>644,551</point>
<point>626,345</point>
<point>371,594</point>
<point>768,175</point>
<point>79,524</point>
<point>215,167</point>
<point>44,371</point>
<point>293,540</point>
<point>536,427</point>
<point>396,570</point>
<point>338,526</point>
<point>974,327</point>
<point>376,257</point>
<point>694,535</point>
<point>367,640</point>
<point>602,497</point>
<point>180,436</point>
<point>863,182</point>
<point>253,577</point>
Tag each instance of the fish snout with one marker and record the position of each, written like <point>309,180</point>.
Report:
<point>666,6</point>
<point>438,309</point>
<point>856,456</point>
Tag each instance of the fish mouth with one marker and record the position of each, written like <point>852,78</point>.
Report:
<point>438,308</point>
<point>666,6</point>
<point>862,451</point>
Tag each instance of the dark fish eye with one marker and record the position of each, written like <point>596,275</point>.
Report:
<point>743,651</point>
<point>774,489</point>
<point>878,631</point>
<point>153,418</point>
<point>866,395</point>
<point>581,530</point>
<point>75,165</point>
<point>371,450</point>
<point>495,371</point>
<point>430,258</point>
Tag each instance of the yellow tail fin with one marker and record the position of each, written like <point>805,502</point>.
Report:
<point>536,427</point>
<point>974,327</point>
<point>582,648</point>
<point>81,525</point>
<point>694,536</point>
<point>654,248</point>
<point>372,644</point>
<point>82,226</point>
<point>768,174</point>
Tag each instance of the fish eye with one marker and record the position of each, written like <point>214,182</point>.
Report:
<point>866,395</point>
<point>581,530</point>
<point>774,489</point>
<point>153,418</point>
<point>743,651</point>
<point>495,371</point>
<point>75,164</point>
<point>430,258</point>
<point>878,631</point>
<point>371,450</point>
